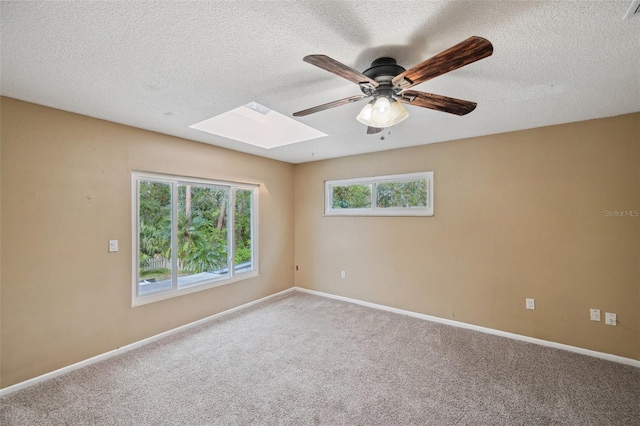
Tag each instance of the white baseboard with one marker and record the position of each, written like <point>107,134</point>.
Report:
<point>603,355</point>
<point>123,349</point>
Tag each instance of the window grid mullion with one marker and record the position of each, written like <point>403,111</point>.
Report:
<point>174,235</point>
<point>253,230</point>
<point>374,196</point>
<point>231,227</point>
<point>137,257</point>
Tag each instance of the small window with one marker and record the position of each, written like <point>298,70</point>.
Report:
<point>191,234</point>
<point>396,195</point>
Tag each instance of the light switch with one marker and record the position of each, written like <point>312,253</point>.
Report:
<point>113,246</point>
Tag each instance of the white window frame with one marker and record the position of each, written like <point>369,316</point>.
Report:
<point>233,276</point>
<point>374,210</point>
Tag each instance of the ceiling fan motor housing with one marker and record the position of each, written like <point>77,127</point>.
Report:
<point>382,70</point>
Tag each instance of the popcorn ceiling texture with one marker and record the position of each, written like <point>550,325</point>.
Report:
<point>163,66</point>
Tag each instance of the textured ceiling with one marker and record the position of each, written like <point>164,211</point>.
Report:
<point>164,66</point>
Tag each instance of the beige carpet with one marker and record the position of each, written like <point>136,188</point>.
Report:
<point>303,359</point>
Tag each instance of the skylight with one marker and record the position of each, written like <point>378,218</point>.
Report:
<point>258,125</point>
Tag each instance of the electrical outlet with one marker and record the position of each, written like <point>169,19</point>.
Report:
<point>113,246</point>
<point>343,274</point>
<point>595,314</point>
<point>610,319</point>
<point>530,304</point>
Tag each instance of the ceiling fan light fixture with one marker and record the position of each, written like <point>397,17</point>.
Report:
<point>398,113</point>
<point>383,112</point>
<point>365,115</point>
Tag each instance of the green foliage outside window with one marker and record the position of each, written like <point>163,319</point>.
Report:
<point>402,194</point>
<point>242,227</point>
<point>352,196</point>
<point>202,228</point>
<point>155,221</point>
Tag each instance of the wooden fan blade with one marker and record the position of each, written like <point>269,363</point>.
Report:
<point>333,66</point>
<point>464,53</point>
<point>333,104</point>
<point>373,130</point>
<point>437,102</point>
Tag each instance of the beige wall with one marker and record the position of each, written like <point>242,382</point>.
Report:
<point>66,191</point>
<point>517,215</point>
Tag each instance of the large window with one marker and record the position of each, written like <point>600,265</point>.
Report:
<point>396,195</point>
<point>191,234</point>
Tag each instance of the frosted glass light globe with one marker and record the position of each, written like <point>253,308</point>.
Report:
<point>381,113</point>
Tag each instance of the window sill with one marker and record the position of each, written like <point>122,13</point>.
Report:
<point>379,213</point>
<point>188,289</point>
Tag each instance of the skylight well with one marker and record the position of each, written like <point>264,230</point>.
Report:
<point>258,125</point>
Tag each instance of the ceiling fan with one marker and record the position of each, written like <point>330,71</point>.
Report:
<point>388,83</point>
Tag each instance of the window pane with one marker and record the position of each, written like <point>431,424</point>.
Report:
<point>154,250</point>
<point>242,231</point>
<point>351,196</point>
<point>411,193</point>
<point>202,233</point>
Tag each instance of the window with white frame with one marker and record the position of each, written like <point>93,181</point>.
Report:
<point>191,234</point>
<point>408,194</point>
